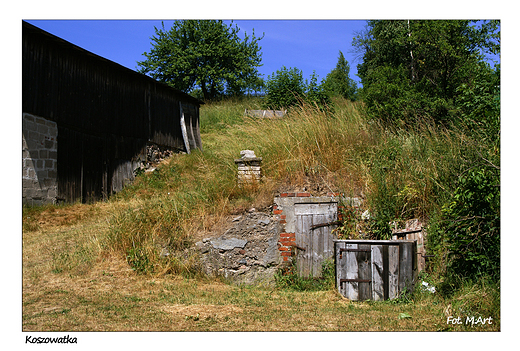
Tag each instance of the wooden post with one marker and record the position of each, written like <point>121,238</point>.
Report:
<point>184,131</point>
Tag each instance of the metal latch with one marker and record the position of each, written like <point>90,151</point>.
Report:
<point>325,224</point>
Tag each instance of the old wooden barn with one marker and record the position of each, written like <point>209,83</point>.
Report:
<point>87,121</point>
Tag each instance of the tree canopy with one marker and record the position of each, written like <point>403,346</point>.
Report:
<point>286,87</point>
<point>436,70</point>
<point>338,81</point>
<point>413,69</point>
<point>204,54</point>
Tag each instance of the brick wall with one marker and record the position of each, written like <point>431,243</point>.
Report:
<point>39,160</point>
<point>249,170</point>
<point>287,240</point>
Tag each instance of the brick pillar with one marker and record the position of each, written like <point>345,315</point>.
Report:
<point>286,241</point>
<point>249,168</point>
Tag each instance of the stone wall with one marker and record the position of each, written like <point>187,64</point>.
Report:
<point>39,160</point>
<point>246,253</point>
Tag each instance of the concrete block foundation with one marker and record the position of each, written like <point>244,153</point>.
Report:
<point>39,160</point>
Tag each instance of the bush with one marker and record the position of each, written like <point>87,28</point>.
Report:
<point>287,88</point>
<point>284,88</point>
<point>473,225</point>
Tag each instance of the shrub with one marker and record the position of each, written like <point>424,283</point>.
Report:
<point>473,224</point>
<point>284,88</point>
<point>287,88</point>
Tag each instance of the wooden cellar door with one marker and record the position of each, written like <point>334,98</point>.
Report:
<point>315,244</point>
<point>375,269</point>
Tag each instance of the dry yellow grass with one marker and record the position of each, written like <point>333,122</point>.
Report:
<point>107,295</point>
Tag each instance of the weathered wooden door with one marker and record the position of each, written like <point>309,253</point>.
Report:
<point>314,244</point>
<point>374,269</point>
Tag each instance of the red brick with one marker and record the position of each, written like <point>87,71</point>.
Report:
<point>283,216</point>
<point>303,195</point>
<point>283,248</point>
<point>287,241</point>
<point>286,235</point>
<point>283,195</point>
<point>286,253</point>
<point>277,212</point>
<point>283,221</point>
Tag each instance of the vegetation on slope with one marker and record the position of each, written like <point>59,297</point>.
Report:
<point>400,173</point>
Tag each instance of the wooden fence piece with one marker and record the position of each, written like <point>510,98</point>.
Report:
<point>378,292</point>
<point>393,271</point>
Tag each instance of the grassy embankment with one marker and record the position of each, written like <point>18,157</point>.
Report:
<point>98,267</point>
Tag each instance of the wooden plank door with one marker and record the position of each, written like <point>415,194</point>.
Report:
<point>354,271</point>
<point>316,244</point>
<point>385,272</point>
<point>347,271</point>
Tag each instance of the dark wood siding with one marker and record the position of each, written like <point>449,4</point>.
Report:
<point>106,113</point>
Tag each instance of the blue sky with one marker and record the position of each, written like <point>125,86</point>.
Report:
<point>309,45</point>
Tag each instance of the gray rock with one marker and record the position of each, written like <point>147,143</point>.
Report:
<point>264,221</point>
<point>247,154</point>
<point>228,244</point>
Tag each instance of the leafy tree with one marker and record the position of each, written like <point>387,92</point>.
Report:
<point>317,95</point>
<point>472,217</point>
<point>436,69</point>
<point>479,103</point>
<point>338,81</point>
<point>204,54</point>
<point>413,69</point>
<point>284,88</point>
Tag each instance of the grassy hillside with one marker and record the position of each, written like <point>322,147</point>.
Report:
<point>401,174</point>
